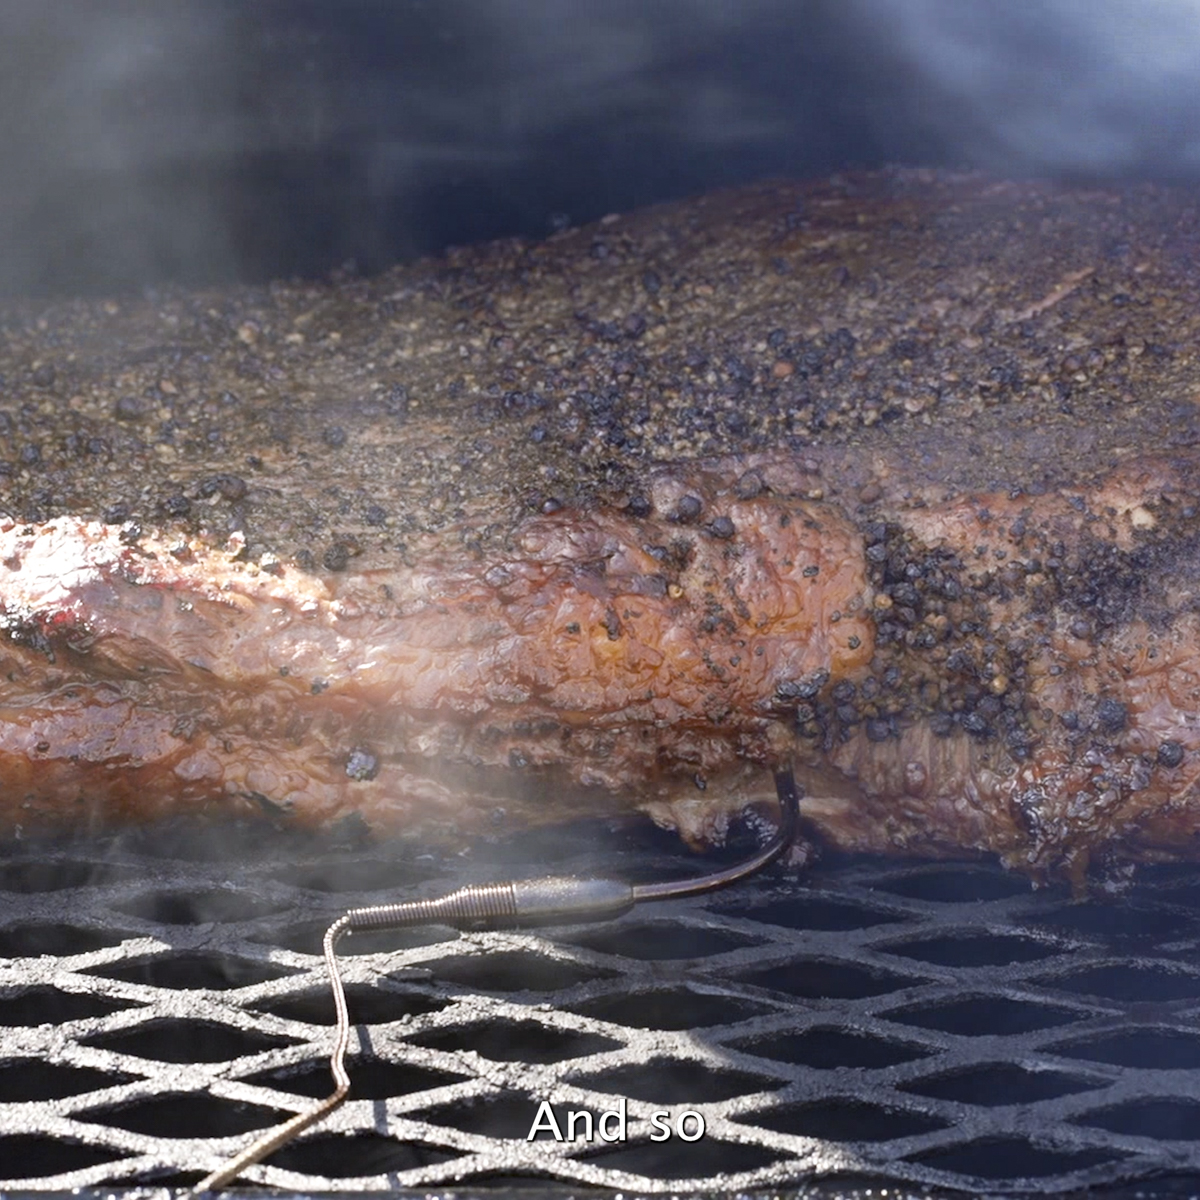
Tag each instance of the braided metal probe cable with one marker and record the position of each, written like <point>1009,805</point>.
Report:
<point>531,901</point>
<point>273,1139</point>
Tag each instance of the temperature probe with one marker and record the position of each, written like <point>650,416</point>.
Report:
<point>559,900</point>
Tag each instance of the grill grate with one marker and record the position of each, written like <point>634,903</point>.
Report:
<point>928,1024</point>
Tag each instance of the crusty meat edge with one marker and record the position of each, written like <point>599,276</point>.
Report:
<point>921,660</point>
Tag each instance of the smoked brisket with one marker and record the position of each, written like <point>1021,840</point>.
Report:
<point>892,475</point>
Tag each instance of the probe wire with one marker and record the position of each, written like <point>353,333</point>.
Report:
<point>557,899</point>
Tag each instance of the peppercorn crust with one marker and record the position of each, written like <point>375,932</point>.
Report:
<point>598,461</point>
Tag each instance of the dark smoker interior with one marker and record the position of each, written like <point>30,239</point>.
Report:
<point>922,1027</point>
<point>205,143</point>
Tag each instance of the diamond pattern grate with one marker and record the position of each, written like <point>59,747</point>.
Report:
<point>937,1025</point>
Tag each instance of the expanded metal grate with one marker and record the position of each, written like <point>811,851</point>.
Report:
<point>920,1024</point>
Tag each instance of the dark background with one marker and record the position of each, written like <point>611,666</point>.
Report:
<point>201,141</point>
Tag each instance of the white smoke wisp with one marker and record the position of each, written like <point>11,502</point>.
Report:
<point>205,141</point>
<point>92,98</point>
<point>142,142</point>
<point>1106,87</point>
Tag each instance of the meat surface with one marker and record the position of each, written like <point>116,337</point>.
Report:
<point>892,476</point>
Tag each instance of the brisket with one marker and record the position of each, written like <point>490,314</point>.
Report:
<point>890,475</point>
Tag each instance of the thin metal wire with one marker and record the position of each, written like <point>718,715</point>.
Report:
<point>539,900</point>
<point>939,1019</point>
<point>275,1138</point>
<point>788,791</point>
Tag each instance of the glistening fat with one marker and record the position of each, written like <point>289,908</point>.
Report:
<point>892,477</point>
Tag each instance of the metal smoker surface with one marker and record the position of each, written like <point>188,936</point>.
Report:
<point>510,904</point>
<point>928,1024</point>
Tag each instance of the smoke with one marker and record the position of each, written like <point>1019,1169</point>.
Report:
<point>203,141</point>
<point>1094,87</point>
<point>109,115</point>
